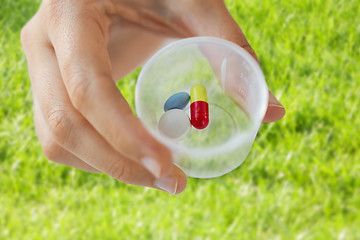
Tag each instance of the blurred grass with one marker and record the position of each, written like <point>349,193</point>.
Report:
<point>301,180</point>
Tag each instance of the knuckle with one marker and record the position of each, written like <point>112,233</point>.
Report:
<point>79,84</point>
<point>60,125</point>
<point>78,91</point>
<point>116,170</point>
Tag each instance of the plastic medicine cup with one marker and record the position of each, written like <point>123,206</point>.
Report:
<point>237,95</point>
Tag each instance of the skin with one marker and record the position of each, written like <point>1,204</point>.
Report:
<point>77,50</point>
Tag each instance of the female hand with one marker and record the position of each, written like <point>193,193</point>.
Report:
<point>77,49</point>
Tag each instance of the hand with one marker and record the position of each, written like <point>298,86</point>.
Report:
<point>75,52</point>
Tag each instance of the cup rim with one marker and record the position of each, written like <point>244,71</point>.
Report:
<point>238,139</point>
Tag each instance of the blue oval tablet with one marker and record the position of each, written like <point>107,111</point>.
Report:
<point>177,101</point>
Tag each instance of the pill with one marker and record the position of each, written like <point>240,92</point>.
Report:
<point>177,101</point>
<point>199,108</point>
<point>174,123</point>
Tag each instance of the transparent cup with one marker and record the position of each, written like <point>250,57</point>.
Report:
<point>237,96</point>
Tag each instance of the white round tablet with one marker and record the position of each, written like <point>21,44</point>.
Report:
<point>174,123</point>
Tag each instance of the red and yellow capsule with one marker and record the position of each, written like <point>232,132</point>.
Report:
<point>199,108</point>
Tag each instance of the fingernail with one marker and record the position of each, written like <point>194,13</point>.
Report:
<point>168,184</point>
<point>152,165</point>
<point>273,102</point>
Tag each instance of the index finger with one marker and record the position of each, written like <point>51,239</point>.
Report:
<point>80,43</point>
<point>218,22</point>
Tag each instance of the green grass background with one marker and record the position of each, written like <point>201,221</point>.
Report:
<point>300,181</point>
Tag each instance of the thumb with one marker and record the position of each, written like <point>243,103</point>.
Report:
<point>211,18</point>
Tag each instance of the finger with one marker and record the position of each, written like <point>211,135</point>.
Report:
<point>56,153</point>
<point>30,37</point>
<point>51,149</point>
<point>75,134</point>
<point>84,62</point>
<point>219,23</point>
<point>275,110</point>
